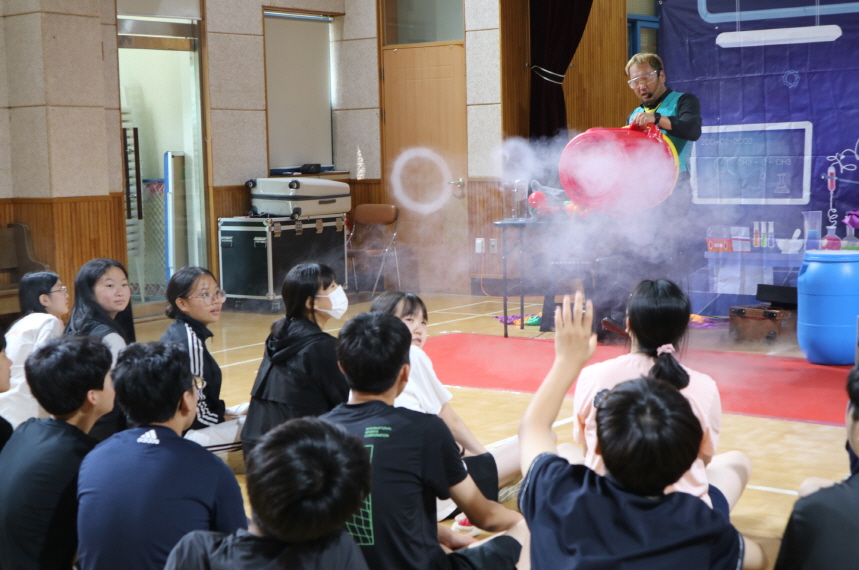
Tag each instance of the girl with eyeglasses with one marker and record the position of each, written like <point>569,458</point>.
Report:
<point>194,302</point>
<point>43,300</point>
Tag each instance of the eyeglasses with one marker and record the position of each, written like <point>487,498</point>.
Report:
<point>208,298</point>
<point>64,290</point>
<point>640,80</point>
<point>199,383</point>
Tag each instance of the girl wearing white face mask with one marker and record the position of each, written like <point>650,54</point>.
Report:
<point>299,375</point>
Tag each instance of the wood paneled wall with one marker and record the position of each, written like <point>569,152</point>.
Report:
<point>368,191</point>
<point>485,206</point>
<point>515,73</point>
<point>68,232</point>
<point>229,202</point>
<point>595,87</point>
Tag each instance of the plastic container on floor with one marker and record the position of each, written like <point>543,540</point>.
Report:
<point>828,306</point>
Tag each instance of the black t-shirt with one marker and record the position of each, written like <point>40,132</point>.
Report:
<point>38,494</point>
<point>206,550</point>
<point>822,530</point>
<point>415,460</point>
<point>5,432</point>
<point>580,520</point>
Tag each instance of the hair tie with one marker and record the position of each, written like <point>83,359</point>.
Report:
<point>665,349</point>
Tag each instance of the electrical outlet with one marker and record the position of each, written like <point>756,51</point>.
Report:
<point>479,245</point>
<point>493,246</point>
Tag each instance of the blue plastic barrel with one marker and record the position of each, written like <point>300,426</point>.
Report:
<point>828,306</point>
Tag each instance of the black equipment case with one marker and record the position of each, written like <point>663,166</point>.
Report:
<point>257,253</point>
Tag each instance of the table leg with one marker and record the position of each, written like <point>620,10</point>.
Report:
<point>504,274</point>
<point>521,279</point>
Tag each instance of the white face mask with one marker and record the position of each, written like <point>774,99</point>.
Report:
<point>339,303</point>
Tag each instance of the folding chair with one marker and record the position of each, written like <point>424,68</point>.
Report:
<point>368,239</point>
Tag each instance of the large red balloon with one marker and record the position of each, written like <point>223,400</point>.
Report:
<point>619,171</point>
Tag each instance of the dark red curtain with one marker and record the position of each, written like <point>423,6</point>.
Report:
<point>556,30</point>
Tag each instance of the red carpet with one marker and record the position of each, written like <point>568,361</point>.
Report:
<point>772,386</point>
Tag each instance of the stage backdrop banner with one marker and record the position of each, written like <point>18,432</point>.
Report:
<point>779,88</point>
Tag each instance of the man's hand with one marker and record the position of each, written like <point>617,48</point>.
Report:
<point>643,119</point>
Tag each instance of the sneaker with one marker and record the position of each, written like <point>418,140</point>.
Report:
<point>462,525</point>
<point>509,492</point>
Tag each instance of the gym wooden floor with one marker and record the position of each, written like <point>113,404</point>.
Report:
<point>783,453</point>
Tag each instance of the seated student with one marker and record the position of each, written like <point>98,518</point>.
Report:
<point>414,460</point>
<point>5,374</point>
<point>194,302</point>
<point>145,488</point>
<point>102,309</point>
<point>425,393</point>
<point>43,300</point>
<point>305,479</point>
<point>822,529</point>
<point>298,376</point>
<point>39,466</point>
<point>648,436</point>
<point>657,319</point>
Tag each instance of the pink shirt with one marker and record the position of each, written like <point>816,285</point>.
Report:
<point>702,393</point>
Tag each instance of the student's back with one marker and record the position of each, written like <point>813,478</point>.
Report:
<point>38,486</point>
<point>203,550</point>
<point>414,460</point>
<point>581,520</point>
<point>142,490</point>
<point>39,466</point>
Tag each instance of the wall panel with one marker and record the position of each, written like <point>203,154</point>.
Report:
<point>515,75</point>
<point>228,202</point>
<point>595,87</point>
<point>484,208</point>
<point>68,232</point>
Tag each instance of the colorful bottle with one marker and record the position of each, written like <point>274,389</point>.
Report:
<point>763,234</point>
<point>830,240</point>
<point>771,236</point>
<point>850,240</point>
<point>756,237</point>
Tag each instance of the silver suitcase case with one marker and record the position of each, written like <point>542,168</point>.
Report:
<point>314,196</point>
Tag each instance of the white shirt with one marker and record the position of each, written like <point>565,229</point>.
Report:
<point>424,392</point>
<point>26,335</point>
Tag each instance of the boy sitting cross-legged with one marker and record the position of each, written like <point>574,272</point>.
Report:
<point>414,460</point>
<point>648,436</point>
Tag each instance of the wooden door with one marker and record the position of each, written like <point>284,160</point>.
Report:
<point>424,108</point>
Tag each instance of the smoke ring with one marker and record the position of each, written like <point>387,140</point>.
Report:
<point>397,183</point>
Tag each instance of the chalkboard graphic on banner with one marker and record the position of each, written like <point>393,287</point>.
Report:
<point>717,11</point>
<point>723,11</point>
<point>763,163</point>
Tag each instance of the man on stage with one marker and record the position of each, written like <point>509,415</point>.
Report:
<point>678,116</point>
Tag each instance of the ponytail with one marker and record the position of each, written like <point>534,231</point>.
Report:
<point>669,370</point>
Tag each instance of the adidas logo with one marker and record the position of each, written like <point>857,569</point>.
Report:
<point>149,437</point>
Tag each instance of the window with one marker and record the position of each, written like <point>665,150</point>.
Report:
<point>642,25</point>
<point>298,91</point>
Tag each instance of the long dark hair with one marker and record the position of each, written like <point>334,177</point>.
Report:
<point>302,281</point>
<point>32,286</point>
<point>87,314</point>
<point>180,286</point>
<point>658,312</point>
